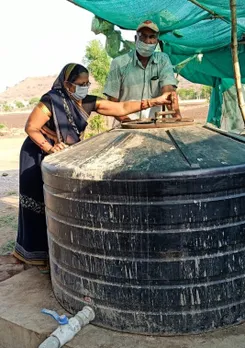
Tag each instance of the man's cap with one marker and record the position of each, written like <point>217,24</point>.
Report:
<point>148,24</point>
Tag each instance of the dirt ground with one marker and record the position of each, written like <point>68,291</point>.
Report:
<point>196,111</point>
<point>11,139</point>
<point>9,165</point>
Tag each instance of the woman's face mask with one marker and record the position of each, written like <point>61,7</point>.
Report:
<point>80,92</point>
<point>145,50</point>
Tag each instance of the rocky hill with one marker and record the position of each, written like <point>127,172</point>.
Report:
<point>32,87</point>
<point>36,86</point>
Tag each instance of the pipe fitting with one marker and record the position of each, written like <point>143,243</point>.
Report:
<point>65,333</point>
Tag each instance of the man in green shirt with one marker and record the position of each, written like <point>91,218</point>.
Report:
<point>142,73</point>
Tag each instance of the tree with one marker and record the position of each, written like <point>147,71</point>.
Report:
<point>206,92</point>
<point>187,93</point>
<point>96,123</point>
<point>19,104</point>
<point>6,107</point>
<point>98,92</point>
<point>33,101</point>
<point>97,61</point>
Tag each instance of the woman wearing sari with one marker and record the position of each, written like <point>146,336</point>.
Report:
<point>59,120</point>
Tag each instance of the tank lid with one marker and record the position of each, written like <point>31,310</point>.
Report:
<point>144,154</point>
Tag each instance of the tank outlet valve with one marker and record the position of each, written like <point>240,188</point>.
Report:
<point>66,331</point>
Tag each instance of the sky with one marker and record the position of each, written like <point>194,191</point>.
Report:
<point>38,37</point>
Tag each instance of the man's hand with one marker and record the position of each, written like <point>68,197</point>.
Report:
<point>175,103</point>
<point>174,106</point>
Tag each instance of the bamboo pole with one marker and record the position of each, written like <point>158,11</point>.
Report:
<point>236,66</point>
<point>214,14</point>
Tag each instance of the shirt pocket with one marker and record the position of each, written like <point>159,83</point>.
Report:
<point>154,88</point>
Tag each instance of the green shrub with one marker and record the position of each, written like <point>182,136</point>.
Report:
<point>34,101</point>
<point>19,104</point>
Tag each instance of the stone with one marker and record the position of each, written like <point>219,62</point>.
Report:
<point>9,266</point>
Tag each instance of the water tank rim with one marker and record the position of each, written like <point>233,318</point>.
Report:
<point>137,176</point>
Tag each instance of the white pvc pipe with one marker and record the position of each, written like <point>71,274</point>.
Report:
<point>65,333</point>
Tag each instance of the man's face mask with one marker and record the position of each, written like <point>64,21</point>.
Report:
<point>144,49</point>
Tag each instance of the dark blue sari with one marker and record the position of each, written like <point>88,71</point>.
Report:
<point>69,122</point>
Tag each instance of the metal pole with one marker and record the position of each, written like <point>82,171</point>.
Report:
<point>236,66</point>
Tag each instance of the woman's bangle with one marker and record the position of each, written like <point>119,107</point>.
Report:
<point>42,144</point>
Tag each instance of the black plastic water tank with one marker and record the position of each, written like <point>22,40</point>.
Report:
<point>147,227</point>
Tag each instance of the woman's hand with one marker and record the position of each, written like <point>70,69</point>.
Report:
<point>169,99</point>
<point>57,147</point>
<point>166,98</point>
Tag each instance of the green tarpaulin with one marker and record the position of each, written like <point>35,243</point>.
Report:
<point>192,35</point>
